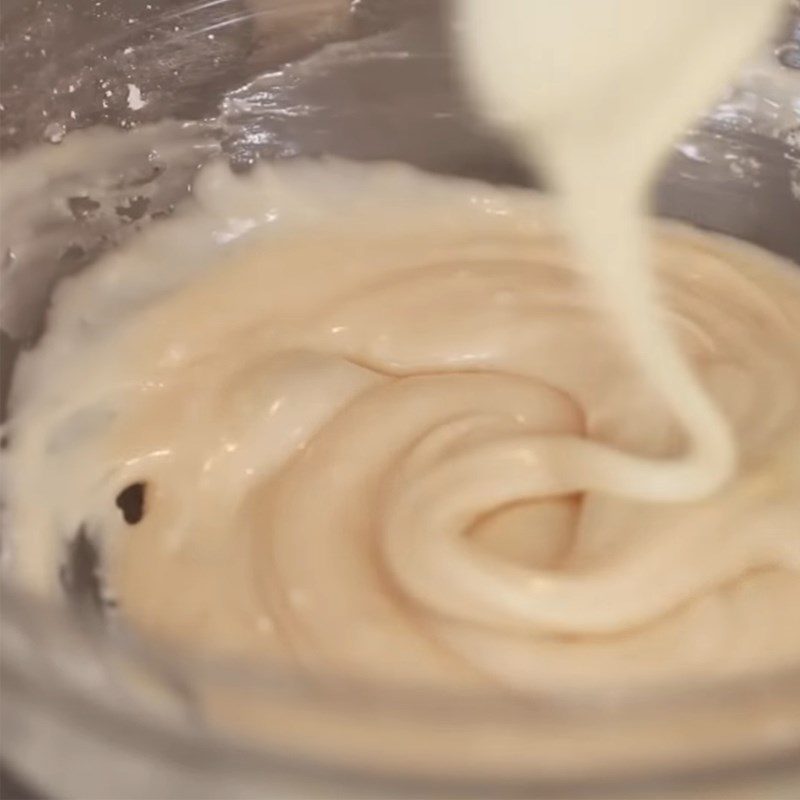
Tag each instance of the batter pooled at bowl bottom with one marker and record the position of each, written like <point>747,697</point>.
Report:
<point>373,414</point>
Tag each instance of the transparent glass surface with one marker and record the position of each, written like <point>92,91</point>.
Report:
<point>90,712</point>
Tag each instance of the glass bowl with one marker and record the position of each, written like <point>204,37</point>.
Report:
<point>90,712</point>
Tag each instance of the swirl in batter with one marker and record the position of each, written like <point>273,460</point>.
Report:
<point>385,428</point>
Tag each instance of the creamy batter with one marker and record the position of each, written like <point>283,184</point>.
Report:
<point>378,432</point>
<point>386,424</point>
